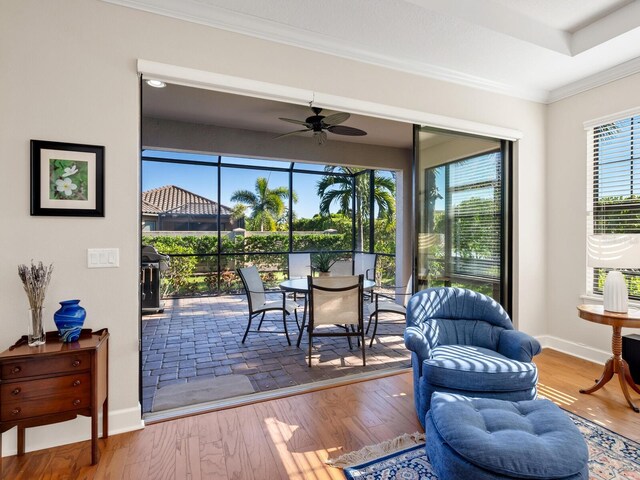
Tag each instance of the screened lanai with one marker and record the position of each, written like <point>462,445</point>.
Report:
<point>212,214</point>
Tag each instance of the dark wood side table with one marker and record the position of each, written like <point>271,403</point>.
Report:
<point>616,364</point>
<point>55,382</point>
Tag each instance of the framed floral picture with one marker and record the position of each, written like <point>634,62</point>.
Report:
<point>67,179</point>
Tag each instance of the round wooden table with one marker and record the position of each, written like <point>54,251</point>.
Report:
<point>616,364</point>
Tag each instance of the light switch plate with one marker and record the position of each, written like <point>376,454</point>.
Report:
<point>103,257</point>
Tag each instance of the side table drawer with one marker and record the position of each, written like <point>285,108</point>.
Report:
<point>29,367</point>
<point>19,391</point>
<point>65,401</point>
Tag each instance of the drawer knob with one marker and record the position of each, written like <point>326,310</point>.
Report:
<point>15,411</point>
<point>76,363</point>
<point>16,369</point>
<point>76,402</point>
<point>15,391</point>
<point>76,383</point>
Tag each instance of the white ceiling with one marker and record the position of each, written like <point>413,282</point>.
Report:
<point>541,50</point>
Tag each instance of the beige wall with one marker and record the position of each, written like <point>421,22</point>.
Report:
<point>69,74</point>
<point>566,212</point>
<point>160,133</point>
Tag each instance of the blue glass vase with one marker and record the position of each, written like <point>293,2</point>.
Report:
<point>69,319</point>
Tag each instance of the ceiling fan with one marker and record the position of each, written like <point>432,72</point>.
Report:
<point>320,125</point>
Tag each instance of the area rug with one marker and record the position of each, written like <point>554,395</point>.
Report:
<point>611,457</point>
<point>201,391</point>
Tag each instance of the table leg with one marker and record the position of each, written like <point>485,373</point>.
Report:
<point>284,317</point>
<point>616,364</point>
<point>20,440</point>
<point>105,418</point>
<point>604,378</point>
<point>94,435</point>
<point>622,376</point>
<point>304,322</point>
<point>628,377</point>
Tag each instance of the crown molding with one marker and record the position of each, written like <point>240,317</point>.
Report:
<point>612,74</point>
<point>276,32</point>
<point>205,14</point>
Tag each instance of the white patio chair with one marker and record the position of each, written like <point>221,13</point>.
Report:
<point>336,301</point>
<point>365,264</point>
<point>383,303</point>
<point>258,303</point>
<point>341,268</point>
<point>299,265</point>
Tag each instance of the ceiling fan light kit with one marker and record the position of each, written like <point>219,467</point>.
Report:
<point>320,125</point>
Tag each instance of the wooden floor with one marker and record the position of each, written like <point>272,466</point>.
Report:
<point>291,437</point>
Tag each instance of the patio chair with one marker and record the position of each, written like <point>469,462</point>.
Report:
<point>299,267</point>
<point>365,264</point>
<point>383,303</point>
<point>336,301</point>
<point>342,268</point>
<point>258,304</point>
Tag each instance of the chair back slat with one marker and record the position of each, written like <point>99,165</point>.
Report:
<point>253,286</point>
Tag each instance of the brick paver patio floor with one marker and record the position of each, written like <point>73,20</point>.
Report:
<point>201,337</point>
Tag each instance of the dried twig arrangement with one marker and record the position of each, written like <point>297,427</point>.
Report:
<point>35,280</point>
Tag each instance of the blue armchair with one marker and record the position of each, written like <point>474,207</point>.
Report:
<point>464,342</point>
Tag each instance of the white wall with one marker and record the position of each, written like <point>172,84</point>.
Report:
<point>69,74</point>
<point>566,213</point>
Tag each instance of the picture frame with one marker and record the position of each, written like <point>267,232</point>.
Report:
<point>67,179</point>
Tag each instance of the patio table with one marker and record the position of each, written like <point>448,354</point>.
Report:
<point>300,285</point>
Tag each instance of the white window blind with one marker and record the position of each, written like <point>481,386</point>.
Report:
<point>474,206</point>
<point>613,204</point>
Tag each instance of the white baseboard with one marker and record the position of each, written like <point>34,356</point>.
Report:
<point>576,349</point>
<point>77,430</point>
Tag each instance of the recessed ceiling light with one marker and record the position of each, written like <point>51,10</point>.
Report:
<point>156,83</point>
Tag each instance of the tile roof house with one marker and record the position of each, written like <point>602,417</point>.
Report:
<point>172,208</point>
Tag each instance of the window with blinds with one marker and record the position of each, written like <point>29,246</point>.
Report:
<point>473,204</point>
<point>464,227</point>
<point>614,189</point>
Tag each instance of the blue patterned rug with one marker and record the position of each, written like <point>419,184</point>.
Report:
<point>611,457</point>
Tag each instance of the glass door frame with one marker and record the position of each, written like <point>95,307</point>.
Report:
<point>506,206</point>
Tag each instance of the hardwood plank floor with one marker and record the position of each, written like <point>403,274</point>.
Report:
<point>291,437</point>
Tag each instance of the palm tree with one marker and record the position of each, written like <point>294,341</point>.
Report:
<point>266,204</point>
<point>339,189</point>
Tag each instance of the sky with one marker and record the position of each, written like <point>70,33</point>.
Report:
<point>202,179</point>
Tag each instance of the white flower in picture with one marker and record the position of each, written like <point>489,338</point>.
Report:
<point>66,186</point>
<point>68,171</point>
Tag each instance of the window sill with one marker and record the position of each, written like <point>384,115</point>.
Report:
<point>591,298</point>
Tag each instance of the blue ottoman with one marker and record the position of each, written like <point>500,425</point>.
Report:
<point>482,439</point>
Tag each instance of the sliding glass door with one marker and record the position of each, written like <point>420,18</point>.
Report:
<point>462,215</point>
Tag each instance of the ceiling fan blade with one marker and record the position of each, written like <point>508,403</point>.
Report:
<point>336,118</point>
<point>293,133</point>
<point>321,137</point>
<point>297,122</point>
<point>344,130</point>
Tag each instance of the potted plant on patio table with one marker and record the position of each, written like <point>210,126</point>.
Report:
<point>322,262</point>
